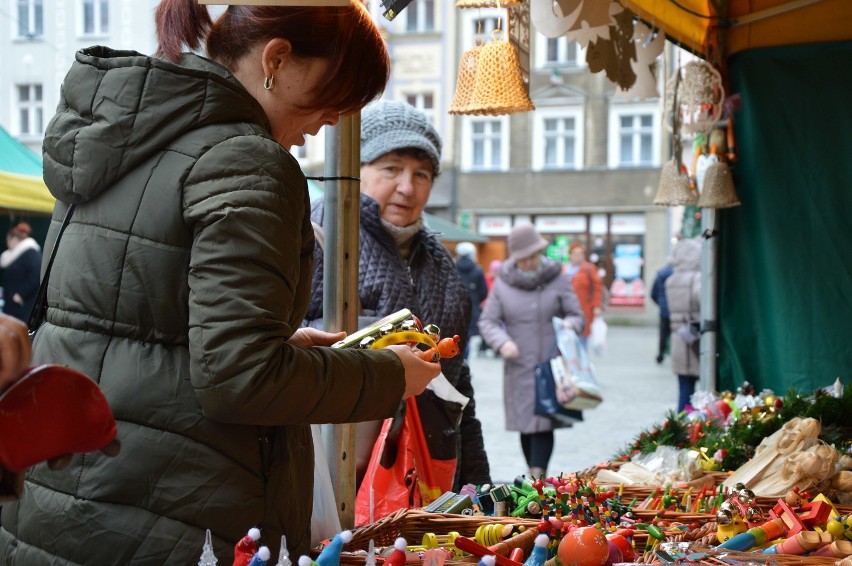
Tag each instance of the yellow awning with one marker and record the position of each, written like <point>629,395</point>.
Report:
<point>746,24</point>
<point>24,192</point>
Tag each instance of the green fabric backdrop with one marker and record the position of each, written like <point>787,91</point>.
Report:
<point>785,255</point>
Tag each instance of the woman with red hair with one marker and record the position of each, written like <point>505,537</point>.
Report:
<point>182,279</point>
<point>21,264</point>
<point>587,285</point>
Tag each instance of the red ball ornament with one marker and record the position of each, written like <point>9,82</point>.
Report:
<point>586,546</point>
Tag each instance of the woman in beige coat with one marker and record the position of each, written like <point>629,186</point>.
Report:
<point>683,295</point>
<point>517,323</point>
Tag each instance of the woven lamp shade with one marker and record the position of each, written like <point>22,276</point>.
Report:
<point>465,80</point>
<point>487,3</point>
<point>718,189</point>
<point>500,87</point>
<point>674,189</point>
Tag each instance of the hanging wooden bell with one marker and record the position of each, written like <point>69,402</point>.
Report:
<point>500,87</point>
<point>674,189</point>
<point>718,190</point>
<point>466,80</point>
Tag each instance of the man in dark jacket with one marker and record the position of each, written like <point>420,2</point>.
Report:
<point>658,295</point>
<point>474,280</point>
<point>403,265</point>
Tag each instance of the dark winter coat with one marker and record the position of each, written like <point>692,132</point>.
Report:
<point>658,291</point>
<point>182,275</point>
<point>474,279</point>
<point>426,284</point>
<point>683,293</point>
<point>21,276</point>
<point>521,308</point>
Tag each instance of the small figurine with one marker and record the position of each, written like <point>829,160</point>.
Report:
<point>330,555</point>
<point>261,557</point>
<point>246,547</point>
<point>446,348</point>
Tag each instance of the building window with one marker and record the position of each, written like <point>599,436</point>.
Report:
<point>425,102</point>
<point>30,18</point>
<point>481,21</point>
<point>558,139</point>
<point>94,17</point>
<point>30,110</point>
<point>420,16</point>
<point>558,52</point>
<point>634,136</point>
<point>487,144</point>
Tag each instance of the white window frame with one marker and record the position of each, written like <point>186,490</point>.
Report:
<point>468,141</point>
<point>35,12</point>
<point>417,10</point>
<point>616,112</point>
<point>469,19</point>
<point>561,62</point>
<point>538,145</point>
<point>419,102</point>
<point>34,108</point>
<point>97,16</point>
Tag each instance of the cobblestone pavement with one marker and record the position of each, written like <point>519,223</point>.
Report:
<point>637,394</point>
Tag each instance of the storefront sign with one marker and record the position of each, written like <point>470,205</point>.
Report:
<point>495,225</point>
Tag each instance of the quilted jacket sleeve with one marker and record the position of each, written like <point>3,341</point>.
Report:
<point>250,268</point>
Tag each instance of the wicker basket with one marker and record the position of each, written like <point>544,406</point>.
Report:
<point>412,524</point>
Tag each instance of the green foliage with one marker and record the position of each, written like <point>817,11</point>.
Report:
<point>733,445</point>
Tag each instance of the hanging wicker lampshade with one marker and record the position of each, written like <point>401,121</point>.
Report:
<point>466,78</point>
<point>718,190</point>
<point>500,87</point>
<point>674,189</point>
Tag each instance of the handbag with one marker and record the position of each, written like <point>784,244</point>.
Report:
<point>547,400</point>
<point>39,312</point>
<point>586,393</point>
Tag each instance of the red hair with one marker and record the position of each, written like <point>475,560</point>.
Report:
<point>347,37</point>
<point>22,231</point>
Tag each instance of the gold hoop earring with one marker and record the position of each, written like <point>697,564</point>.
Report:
<point>269,82</point>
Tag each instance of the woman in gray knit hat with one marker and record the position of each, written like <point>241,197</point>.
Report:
<point>403,265</point>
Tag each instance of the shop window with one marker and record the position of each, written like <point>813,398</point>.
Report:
<point>94,17</point>
<point>420,16</point>
<point>30,18</point>
<point>30,110</point>
<point>634,134</point>
<point>558,139</point>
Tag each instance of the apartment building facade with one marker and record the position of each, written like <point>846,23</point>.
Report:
<point>583,166</point>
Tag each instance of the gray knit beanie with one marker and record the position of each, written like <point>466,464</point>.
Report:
<point>389,125</point>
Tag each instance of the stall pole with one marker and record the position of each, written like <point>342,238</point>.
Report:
<point>340,290</point>
<point>709,309</point>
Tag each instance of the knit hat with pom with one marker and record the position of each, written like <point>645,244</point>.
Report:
<point>390,125</point>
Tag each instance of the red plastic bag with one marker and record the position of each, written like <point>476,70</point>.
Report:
<point>413,478</point>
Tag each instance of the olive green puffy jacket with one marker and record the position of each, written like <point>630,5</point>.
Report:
<point>183,273</point>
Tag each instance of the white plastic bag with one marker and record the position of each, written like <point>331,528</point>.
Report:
<point>325,522</point>
<point>597,336</point>
<point>588,393</point>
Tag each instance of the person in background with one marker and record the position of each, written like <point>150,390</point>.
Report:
<point>474,279</point>
<point>21,264</point>
<point>490,276</point>
<point>658,295</point>
<point>517,323</point>
<point>683,296</point>
<point>181,282</point>
<point>402,264</point>
<point>587,284</point>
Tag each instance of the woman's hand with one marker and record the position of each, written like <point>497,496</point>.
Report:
<point>418,373</point>
<point>307,337</point>
<point>15,349</point>
<point>509,351</point>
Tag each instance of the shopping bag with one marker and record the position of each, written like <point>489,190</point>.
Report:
<point>581,372</point>
<point>402,472</point>
<point>552,387</point>
<point>325,521</point>
<point>597,336</point>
